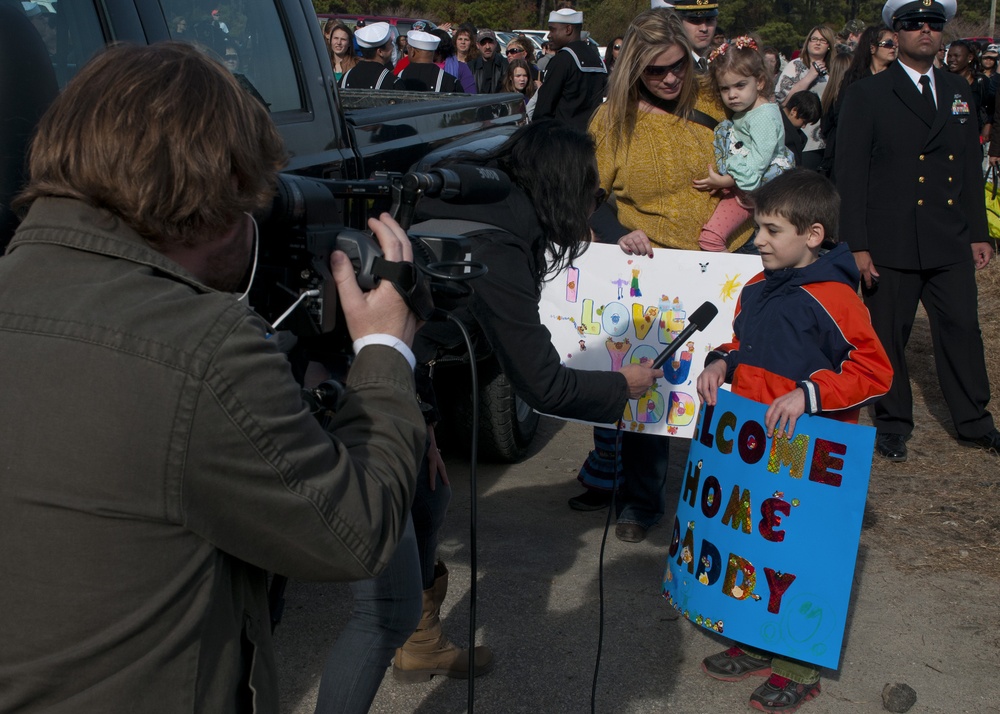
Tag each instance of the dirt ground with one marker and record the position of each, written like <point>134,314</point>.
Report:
<point>938,510</point>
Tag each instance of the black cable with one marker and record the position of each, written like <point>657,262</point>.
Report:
<point>473,459</point>
<point>600,571</point>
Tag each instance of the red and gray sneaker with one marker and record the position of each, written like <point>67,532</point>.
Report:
<point>778,694</point>
<point>734,665</point>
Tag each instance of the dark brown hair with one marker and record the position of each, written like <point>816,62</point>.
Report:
<point>802,197</point>
<point>162,136</point>
<point>351,59</point>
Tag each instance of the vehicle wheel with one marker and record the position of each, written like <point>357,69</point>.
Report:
<point>507,425</point>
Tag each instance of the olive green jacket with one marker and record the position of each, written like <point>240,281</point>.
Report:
<point>156,458</point>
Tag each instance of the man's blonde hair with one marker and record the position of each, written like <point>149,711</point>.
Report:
<point>162,136</point>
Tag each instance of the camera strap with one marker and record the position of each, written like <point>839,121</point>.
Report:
<point>409,283</point>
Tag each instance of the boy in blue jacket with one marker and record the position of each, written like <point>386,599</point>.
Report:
<point>802,344</point>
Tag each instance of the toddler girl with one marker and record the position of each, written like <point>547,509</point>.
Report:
<point>750,149</point>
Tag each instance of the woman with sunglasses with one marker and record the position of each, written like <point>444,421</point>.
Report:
<point>521,48</point>
<point>876,50</point>
<point>808,72</point>
<point>988,60</point>
<point>611,53</point>
<point>654,138</point>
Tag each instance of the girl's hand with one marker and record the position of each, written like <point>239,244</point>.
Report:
<point>636,243</point>
<point>714,182</point>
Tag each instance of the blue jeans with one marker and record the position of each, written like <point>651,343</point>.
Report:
<point>387,609</point>
<point>642,497</point>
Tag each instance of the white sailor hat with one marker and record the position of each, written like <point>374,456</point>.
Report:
<point>566,16</point>
<point>929,10</point>
<point>654,4</point>
<point>422,40</point>
<point>31,9</point>
<point>374,35</point>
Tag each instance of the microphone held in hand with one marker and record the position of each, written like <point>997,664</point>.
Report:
<point>697,322</point>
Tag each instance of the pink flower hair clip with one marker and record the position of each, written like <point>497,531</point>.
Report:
<point>742,42</point>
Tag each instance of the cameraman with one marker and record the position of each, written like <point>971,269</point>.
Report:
<point>158,456</point>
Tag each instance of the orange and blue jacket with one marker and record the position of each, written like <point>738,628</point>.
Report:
<point>807,328</point>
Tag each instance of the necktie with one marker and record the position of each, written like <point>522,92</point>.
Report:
<point>925,82</point>
<point>702,64</point>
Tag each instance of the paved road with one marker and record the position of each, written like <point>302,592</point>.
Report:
<point>538,608</point>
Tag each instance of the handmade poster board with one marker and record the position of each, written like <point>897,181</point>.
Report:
<point>766,533</point>
<point>610,308</point>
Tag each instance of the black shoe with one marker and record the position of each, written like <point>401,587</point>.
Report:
<point>989,441</point>
<point>891,446</point>
<point>630,532</point>
<point>591,500</point>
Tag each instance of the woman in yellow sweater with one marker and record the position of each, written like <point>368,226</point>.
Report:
<point>654,138</point>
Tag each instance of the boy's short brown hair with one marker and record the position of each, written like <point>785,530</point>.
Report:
<point>803,198</point>
<point>162,136</point>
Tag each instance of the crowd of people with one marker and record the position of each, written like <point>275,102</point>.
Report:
<point>854,170</point>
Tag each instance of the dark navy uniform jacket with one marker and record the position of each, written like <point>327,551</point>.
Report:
<point>910,178</point>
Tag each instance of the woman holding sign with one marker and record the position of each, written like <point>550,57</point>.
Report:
<point>654,139</point>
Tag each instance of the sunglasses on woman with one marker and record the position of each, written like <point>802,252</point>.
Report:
<point>662,70</point>
<point>616,47</point>
<point>917,25</point>
<point>514,51</point>
<point>888,44</point>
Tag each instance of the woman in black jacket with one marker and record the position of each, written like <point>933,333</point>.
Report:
<point>528,236</point>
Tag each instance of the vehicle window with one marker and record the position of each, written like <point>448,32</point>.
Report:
<point>70,31</point>
<point>248,38</point>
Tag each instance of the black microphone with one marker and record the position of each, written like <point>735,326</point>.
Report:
<point>461,183</point>
<point>698,321</point>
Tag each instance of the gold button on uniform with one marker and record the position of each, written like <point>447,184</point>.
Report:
<point>920,202</point>
<point>921,179</point>
<point>921,157</point>
<point>950,202</point>
<point>949,179</point>
<point>951,157</point>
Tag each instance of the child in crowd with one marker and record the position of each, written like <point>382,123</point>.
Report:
<point>749,149</point>
<point>813,352</point>
<point>518,79</point>
<point>801,109</point>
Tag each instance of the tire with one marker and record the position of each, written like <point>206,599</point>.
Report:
<point>507,425</point>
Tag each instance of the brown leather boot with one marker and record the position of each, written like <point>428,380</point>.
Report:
<point>428,651</point>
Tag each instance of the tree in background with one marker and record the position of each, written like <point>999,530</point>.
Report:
<point>781,23</point>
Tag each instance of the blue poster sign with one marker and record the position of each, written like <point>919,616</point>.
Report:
<point>766,534</point>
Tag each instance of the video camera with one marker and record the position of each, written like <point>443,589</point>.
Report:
<point>310,218</point>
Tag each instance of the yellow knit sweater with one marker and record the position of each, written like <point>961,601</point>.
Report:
<point>651,174</point>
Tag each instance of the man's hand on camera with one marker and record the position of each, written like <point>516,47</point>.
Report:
<point>382,310</point>
<point>640,378</point>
